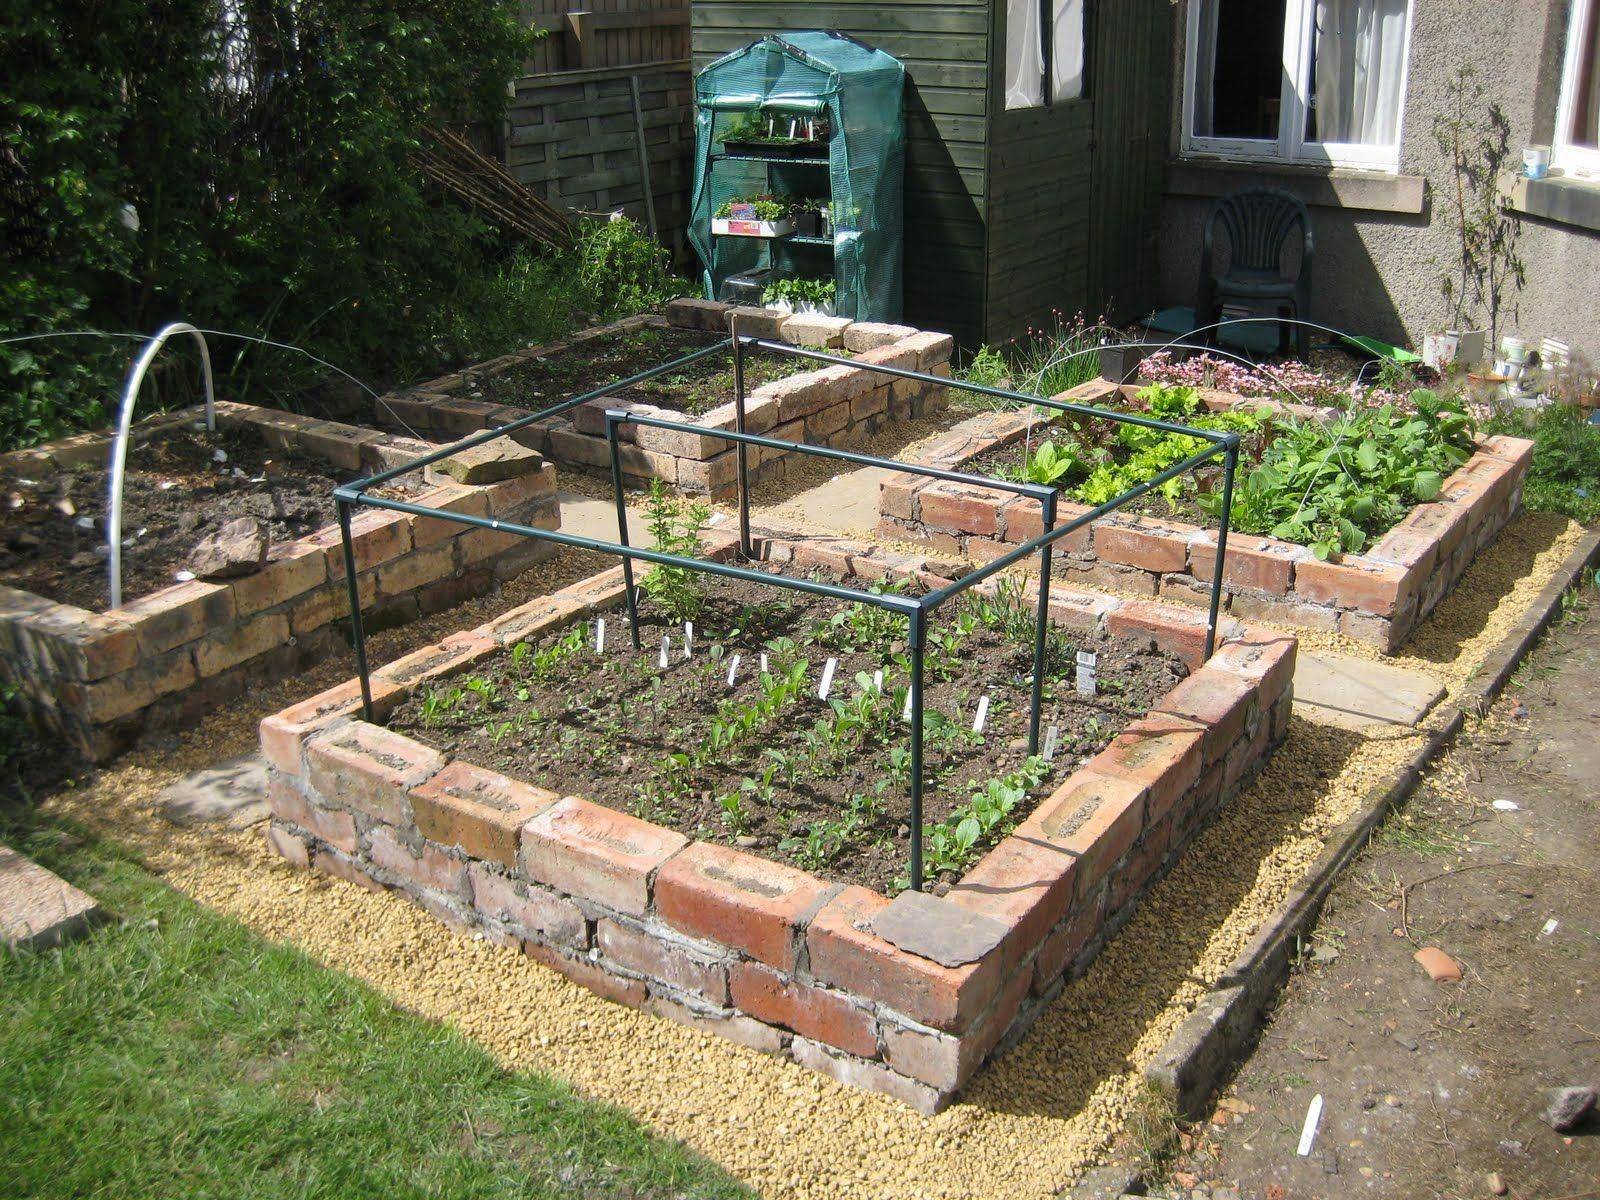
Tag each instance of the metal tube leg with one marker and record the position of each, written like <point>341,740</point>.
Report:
<point>918,642</point>
<point>741,449</point>
<point>1229,466</point>
<point>629,594</point>
<point>1041,629</point>
<point>358,633</point>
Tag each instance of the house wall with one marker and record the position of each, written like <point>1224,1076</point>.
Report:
<point>1382,242</point>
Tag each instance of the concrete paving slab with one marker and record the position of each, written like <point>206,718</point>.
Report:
<point>1358,693</point>
<point>39,909</point>
<point>847,502</point>
<point>232,793</point>
<point>588,517</point>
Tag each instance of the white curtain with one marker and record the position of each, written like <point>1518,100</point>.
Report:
<point>1066,51</point>
<point>1584,49</point>
<point>1360,65</point>
<point>1024,55</point>
<point>1205,70</point>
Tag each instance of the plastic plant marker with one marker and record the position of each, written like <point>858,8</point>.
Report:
<point>982,714</point>
<point>827,678</point>
<point>764,667</point>
<point>1087,661</point>
<point>1050,736</point>
<point>1308,1131</point>
<point>666,646</point>
<point>688,639</point>
<point>905,712</point>
<point>733,669</point>
<point>600,635</point>
<point>877,680</point>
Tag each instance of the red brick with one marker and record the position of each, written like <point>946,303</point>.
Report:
<point>1374,588</point>
<point>1094,816</point>
<point>1087,611</point>
<point>821,1015</point>
<point>1256,563</point>
<point>1222,702</point>
<point>946,1062</point>
<point>597,854</point>
<point>430,868</point>
<point>1180,631</point>
<point>369,769</point>
<point>287,802</point>
<point>1023,520</point>
<point>1149,548</point>
<point>1443,527</point>
<point>672,962</point>
<point>1265,657</point>
<point>290,846</point>
<point>738,900</point>
<point>481,812</point>
<point>530,910</point>
<point>450,657</point>
<point>283,733</point>
<point>331,862</point>
<point>1159,752</point>
<point>586,974</point>
<point>845,953</point>
<point>959,508</point>
<point>1024,883</point>
<point>1068,939</point>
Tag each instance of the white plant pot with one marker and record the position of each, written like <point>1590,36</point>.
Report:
<point>811,309</point>
<point>735,227</point>
<point>779,306</point>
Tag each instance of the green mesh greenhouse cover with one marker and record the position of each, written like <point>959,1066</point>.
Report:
<point>813,115</point>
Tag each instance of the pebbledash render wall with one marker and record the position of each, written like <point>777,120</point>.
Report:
<point>831,406</point>
<point>905,996</point>
<point>1378,596</point>
<point>100,678</point>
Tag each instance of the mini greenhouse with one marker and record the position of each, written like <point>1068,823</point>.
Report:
<point>799,166</point>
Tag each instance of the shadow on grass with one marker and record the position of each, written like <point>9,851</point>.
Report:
<point>1110,1018</point>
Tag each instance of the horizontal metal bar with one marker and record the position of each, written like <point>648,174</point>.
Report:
<point>488,435</point>
<point>937,597</point>
<point>1088,410</point>
<point>1036,490</point>
<point>351,493</point>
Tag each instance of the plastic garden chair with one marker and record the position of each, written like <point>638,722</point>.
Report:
<point>1259,223</point>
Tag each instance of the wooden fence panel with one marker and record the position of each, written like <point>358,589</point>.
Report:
<point>586,34</point>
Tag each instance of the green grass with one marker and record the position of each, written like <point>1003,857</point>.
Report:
<point>174,1053</point>
<point>1564,476</point>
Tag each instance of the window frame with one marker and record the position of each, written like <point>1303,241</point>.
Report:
<point>1291,145</point>
<point>1582,162</point>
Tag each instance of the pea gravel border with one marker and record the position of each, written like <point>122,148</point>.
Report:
<point>1217,1034</point>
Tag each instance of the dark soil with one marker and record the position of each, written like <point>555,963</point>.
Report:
<point>695,389</point>
<point>604,728</point>
<point>1431,1088</point>
<point>175,492</point>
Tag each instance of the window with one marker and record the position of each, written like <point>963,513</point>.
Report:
<point>1577,140</point>
<point>1317,81</point>
<point>1026,84</point>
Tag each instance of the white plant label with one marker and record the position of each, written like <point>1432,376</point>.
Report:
<point>600,635</point>
<point>1308,1131</point>
<point>764,667</point>
<point>1506,806</point>
<point>1050,736</point>
<point>688,638</point>
<point>666,647</point>
<point>905,713</point>
<point>877,680</point>
<point>827,678</point>
<point>733,670</point>
<point>1087,661</point>
<point>982,715</point>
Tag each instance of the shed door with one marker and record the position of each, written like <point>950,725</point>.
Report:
<point>1129,86</point>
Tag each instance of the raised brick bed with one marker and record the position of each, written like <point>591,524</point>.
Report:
<point>98,678</point>
<point>1377,596</point>
<point>905,996</point>
<point>831,406</point>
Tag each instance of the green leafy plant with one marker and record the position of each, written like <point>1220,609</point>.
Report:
<point>763,207</point>
<point>951,844</point>
<point>675,528</point>
<point>800,291</point>
<point>1051,463</point>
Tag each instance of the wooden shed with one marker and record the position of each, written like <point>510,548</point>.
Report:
<point>1009,211</point>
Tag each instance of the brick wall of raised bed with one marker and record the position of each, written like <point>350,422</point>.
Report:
<point>99,678</point>
<point>905,996</point>
<point>1377,596</point>
<point>832,406</point>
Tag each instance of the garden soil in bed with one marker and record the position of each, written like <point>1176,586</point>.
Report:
<point>175,492</point>
<point>694,389</point>
<point>606,727</point>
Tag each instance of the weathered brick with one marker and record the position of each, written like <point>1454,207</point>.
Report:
<point>1179,631</point>
<point>1024,883</point>
<point>1223,703</point>
<point>175,615</point>
<point>369,769</point>
<point>283,732</point>
<point>823,424</point>
<point>727,1023</point>
<point>946,1062</point>
<point>812,329</point>
<point>1371,588</point>
<point>933,349</point>
<point>899,354</point>
<point>736,899</point>
<point>451,497</point>
<point>330,602</point>
<point>490,462</point>
<point>749,321</point>
<point>416,569</point>
<point>427,867</point>
<point>590,975</point>
<point>869,335</point>
<point>673,961</point>
<point>1091,815</point>
<point>1023,520</point>
<point>441,660</point>
<point>290,846</point>
<point>291,570</point>
<point>1265,657</point>
<point>1148,547</point>
<point>845,953</point>
<point>1256,563</point>
<point>867,1076</point>
<point>1160,752</point>
<point>117,696</point>
<point>289,804</point>
<point>814,1012</point>
<point>332,862</point>
<point>335,443</point>
<point>1069,939</point>
<point>481,812</point>
<point>597,854</point>
<point>960,508</point>
<point>240,642</point>
<point>691,312</point>
<point>376,536</point>
<point>531,911</point>
<point>77,643</point>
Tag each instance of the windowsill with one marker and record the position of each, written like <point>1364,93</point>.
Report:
<point>1317,186</point>
<point>1567,201</point>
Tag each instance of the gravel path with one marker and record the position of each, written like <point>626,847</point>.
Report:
<point>1026,1127</point>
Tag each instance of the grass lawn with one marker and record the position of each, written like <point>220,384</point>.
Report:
<point>174,1053</point>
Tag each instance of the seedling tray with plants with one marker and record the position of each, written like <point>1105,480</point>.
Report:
<point>1358,521</point>
<point>231,566</point>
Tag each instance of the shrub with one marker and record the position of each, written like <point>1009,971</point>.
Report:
<point>1564,476</point>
